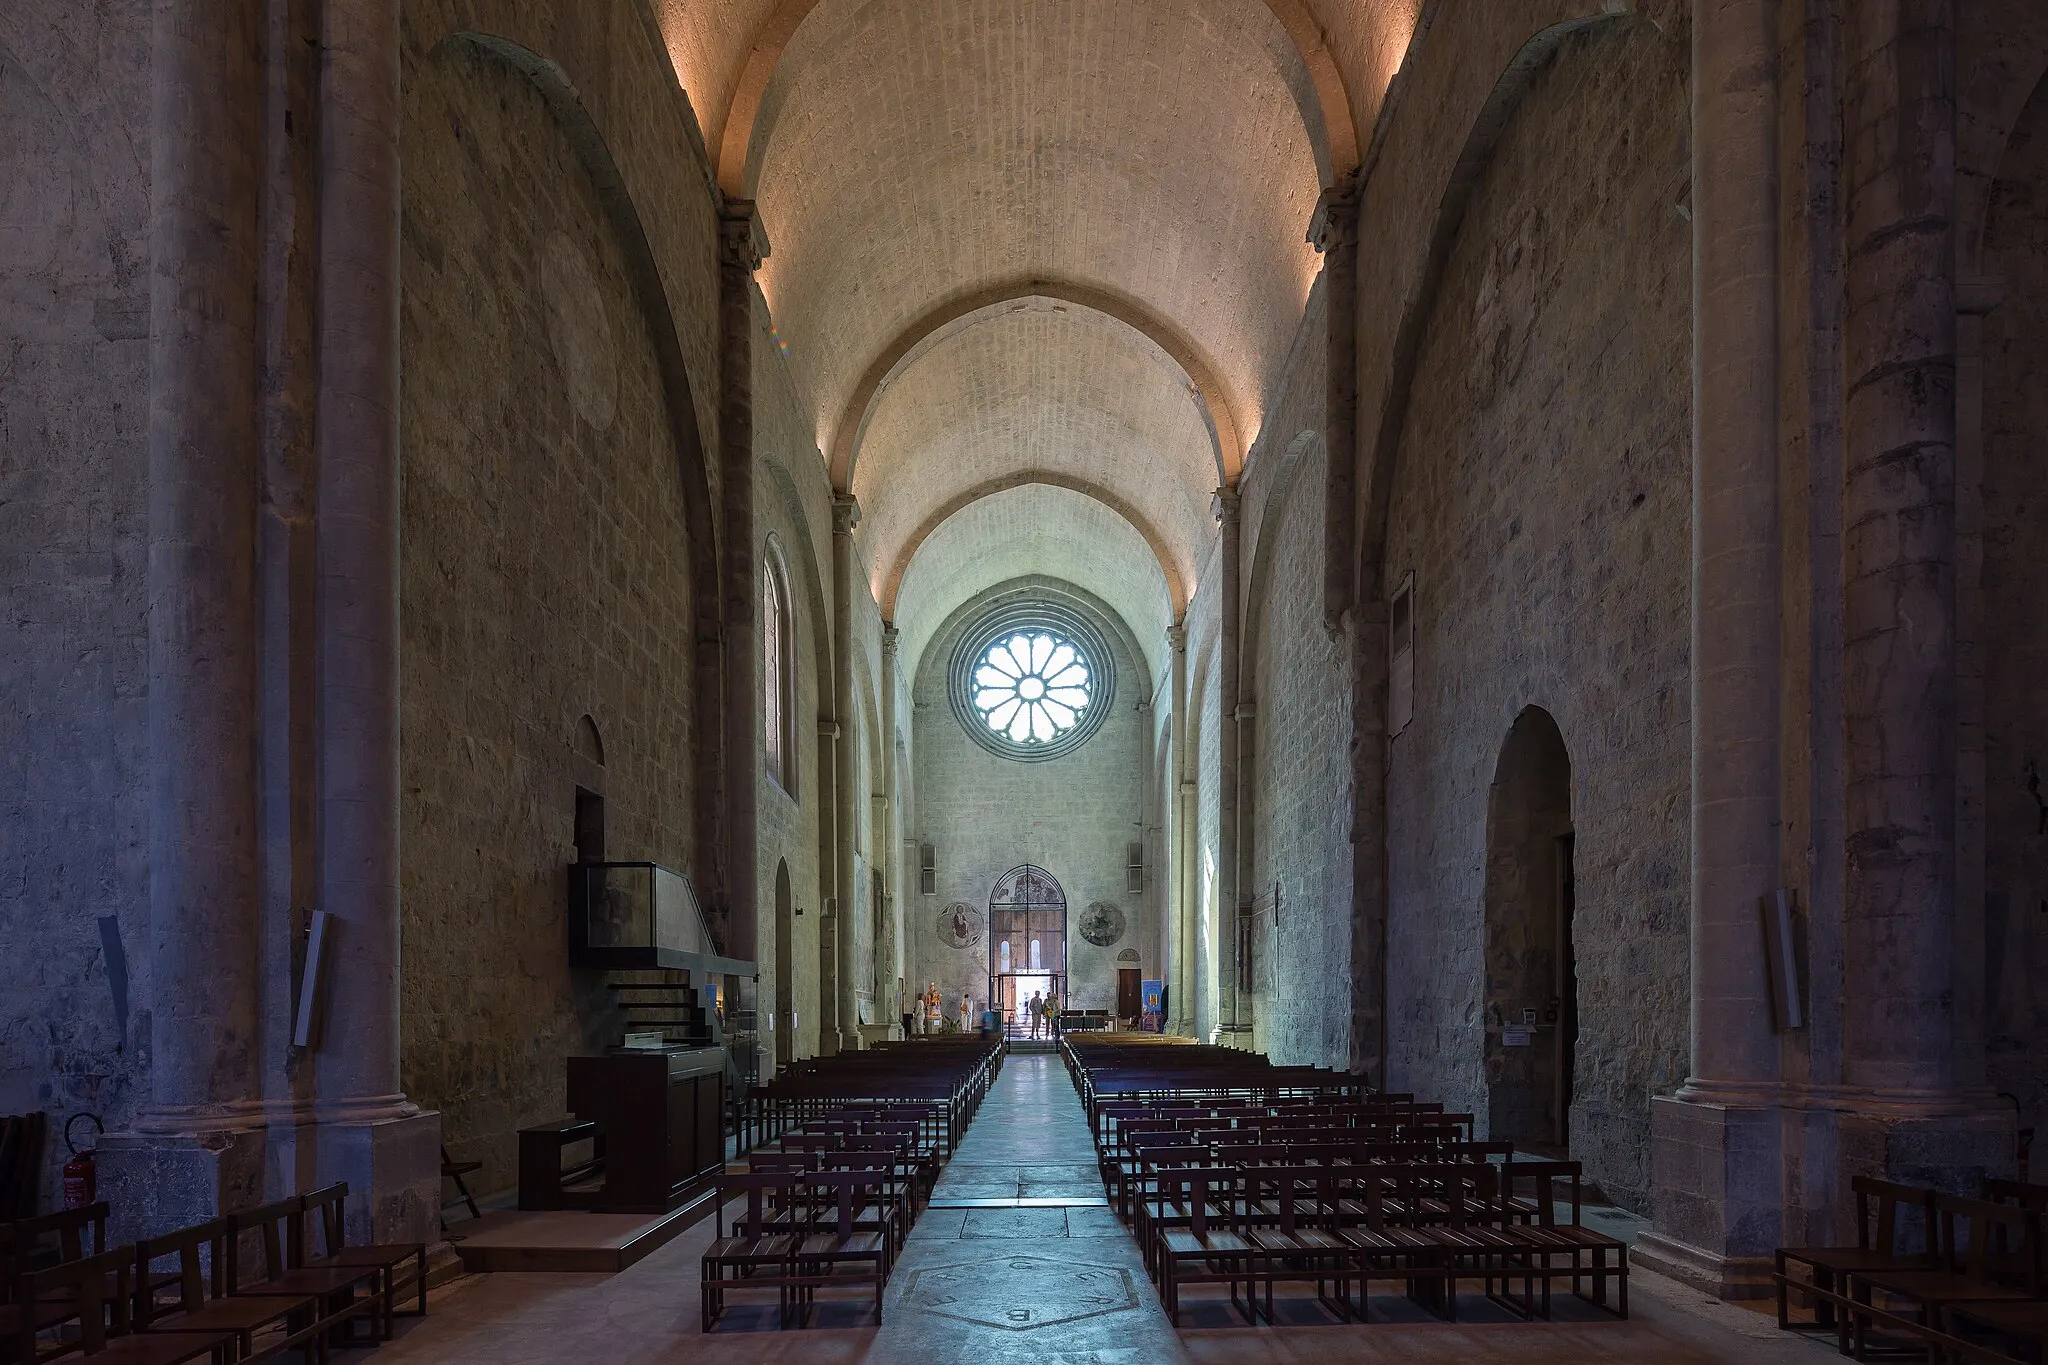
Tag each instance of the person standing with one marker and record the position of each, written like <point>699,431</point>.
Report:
<point>1052,1014</point>
<point>965,1008</point>
<point>1035,1009</point>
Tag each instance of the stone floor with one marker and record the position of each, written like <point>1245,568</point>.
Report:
<point>1031,1267</point>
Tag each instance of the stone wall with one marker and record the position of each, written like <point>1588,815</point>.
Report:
<point>1297,786</point>
<point>2015,651</point>
<point>793,505</point>
<point>1074,816</point>
<point>1541,500</point>
<point>74,389</point>
<point>545,576</point>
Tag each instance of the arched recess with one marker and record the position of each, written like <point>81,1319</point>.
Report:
<point>892,582</point>
<point>1258,584</point>
<point>680,405</point>
<point>1217,413</point>
<point>2001,58</point>
<point>1360,564</point>
<point>1332,131</point>
<point>814,640</point>
<point>2011,609</point>
<point>1531,988</point>
<point>785,966</point>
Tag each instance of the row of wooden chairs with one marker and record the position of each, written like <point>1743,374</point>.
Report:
<point>1962,1279</point>
<point>944,1079</point>
<point>1426,1228</point>
<point>841,1163</point>
<point>1233,1172</point>
<point>250,1286</point>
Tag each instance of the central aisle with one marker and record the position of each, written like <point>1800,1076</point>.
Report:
<point>1038,1268</point>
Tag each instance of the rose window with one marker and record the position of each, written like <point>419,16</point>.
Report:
<point>1032,687</point>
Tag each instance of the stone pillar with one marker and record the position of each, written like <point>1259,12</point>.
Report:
<point>1180,910</point>
<point>1334,232</point>
<point>828,881</point>
<point>889,964</point>
<point>1364,632</point>
<point>1715,1152</point>
<point>1233,1018</point>
<point>1900,1027</point>
<point>740,255</point>
<point>845,516</point>
<point>196,1147</point>
<point>369,1133</point>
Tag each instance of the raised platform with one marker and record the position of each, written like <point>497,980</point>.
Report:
<point>566,1239</point>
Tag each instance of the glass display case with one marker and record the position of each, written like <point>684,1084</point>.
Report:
<point>635,905</point>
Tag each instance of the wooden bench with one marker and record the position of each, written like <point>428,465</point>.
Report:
<point>543,1180</point>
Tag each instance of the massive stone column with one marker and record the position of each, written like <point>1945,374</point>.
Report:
<point>369,1133</point>
<point>196,1147</point>
<point>1715,1153</point>
<point>1899,1031</point>
<point>1334,233</point>
<point>890,963</point>
<point>740,256</point>
<point>845,516</point>
<point>1235,1015</point>
<point>1180,909</point>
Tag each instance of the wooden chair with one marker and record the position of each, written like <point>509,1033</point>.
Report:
<point>1883,1222</point>
<point>834,1250</point>
<point>1299,1243</point>
<point>1210,1248</point>
<point>1985,1254</point>
<point>328,1208</point>
<point>190,1302</point>
<point>1556,1249</point>
<point>1382,1246</point>
<point>754,1260</point>
<point>455,1170</point>
<point>344,1293</point>
<point>97,1292</point>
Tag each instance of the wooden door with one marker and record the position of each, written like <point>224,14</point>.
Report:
<point>1129,995</point>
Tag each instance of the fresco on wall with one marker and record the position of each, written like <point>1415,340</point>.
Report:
<point>960,925</point>
<point>1102,923</point>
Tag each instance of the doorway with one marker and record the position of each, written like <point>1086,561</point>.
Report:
<point>1027,926</point>
<point>1531,976</point>
<point>1130,996</point>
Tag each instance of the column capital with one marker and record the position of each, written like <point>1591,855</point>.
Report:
<point>1225,504</point>
<point>1335,220</point>
<point>1177,637</point>
<point>891,637</point>
<point>742,241</point>
<point>845,513</point>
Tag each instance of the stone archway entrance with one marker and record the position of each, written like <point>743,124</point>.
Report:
<point>1531,980</point>
<point>1027,942</point>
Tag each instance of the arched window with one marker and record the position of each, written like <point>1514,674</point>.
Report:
<point>778,677</point>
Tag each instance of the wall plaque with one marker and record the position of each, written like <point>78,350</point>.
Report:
<point>1102,923</point>
<point>960,925</point>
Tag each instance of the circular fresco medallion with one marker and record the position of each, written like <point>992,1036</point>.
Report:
<point>960,925</point>
<point>1102,923</point>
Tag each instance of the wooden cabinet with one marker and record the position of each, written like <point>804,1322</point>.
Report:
<point>663,1115</point>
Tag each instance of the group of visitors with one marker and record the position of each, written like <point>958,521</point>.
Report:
<point>1042,1010</point>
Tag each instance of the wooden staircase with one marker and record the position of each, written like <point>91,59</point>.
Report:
<point>664,1000</point>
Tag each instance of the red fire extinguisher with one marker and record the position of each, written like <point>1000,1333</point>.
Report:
<point>81,1177</point>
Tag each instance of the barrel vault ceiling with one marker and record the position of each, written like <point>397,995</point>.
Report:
<point>1036,263</point>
